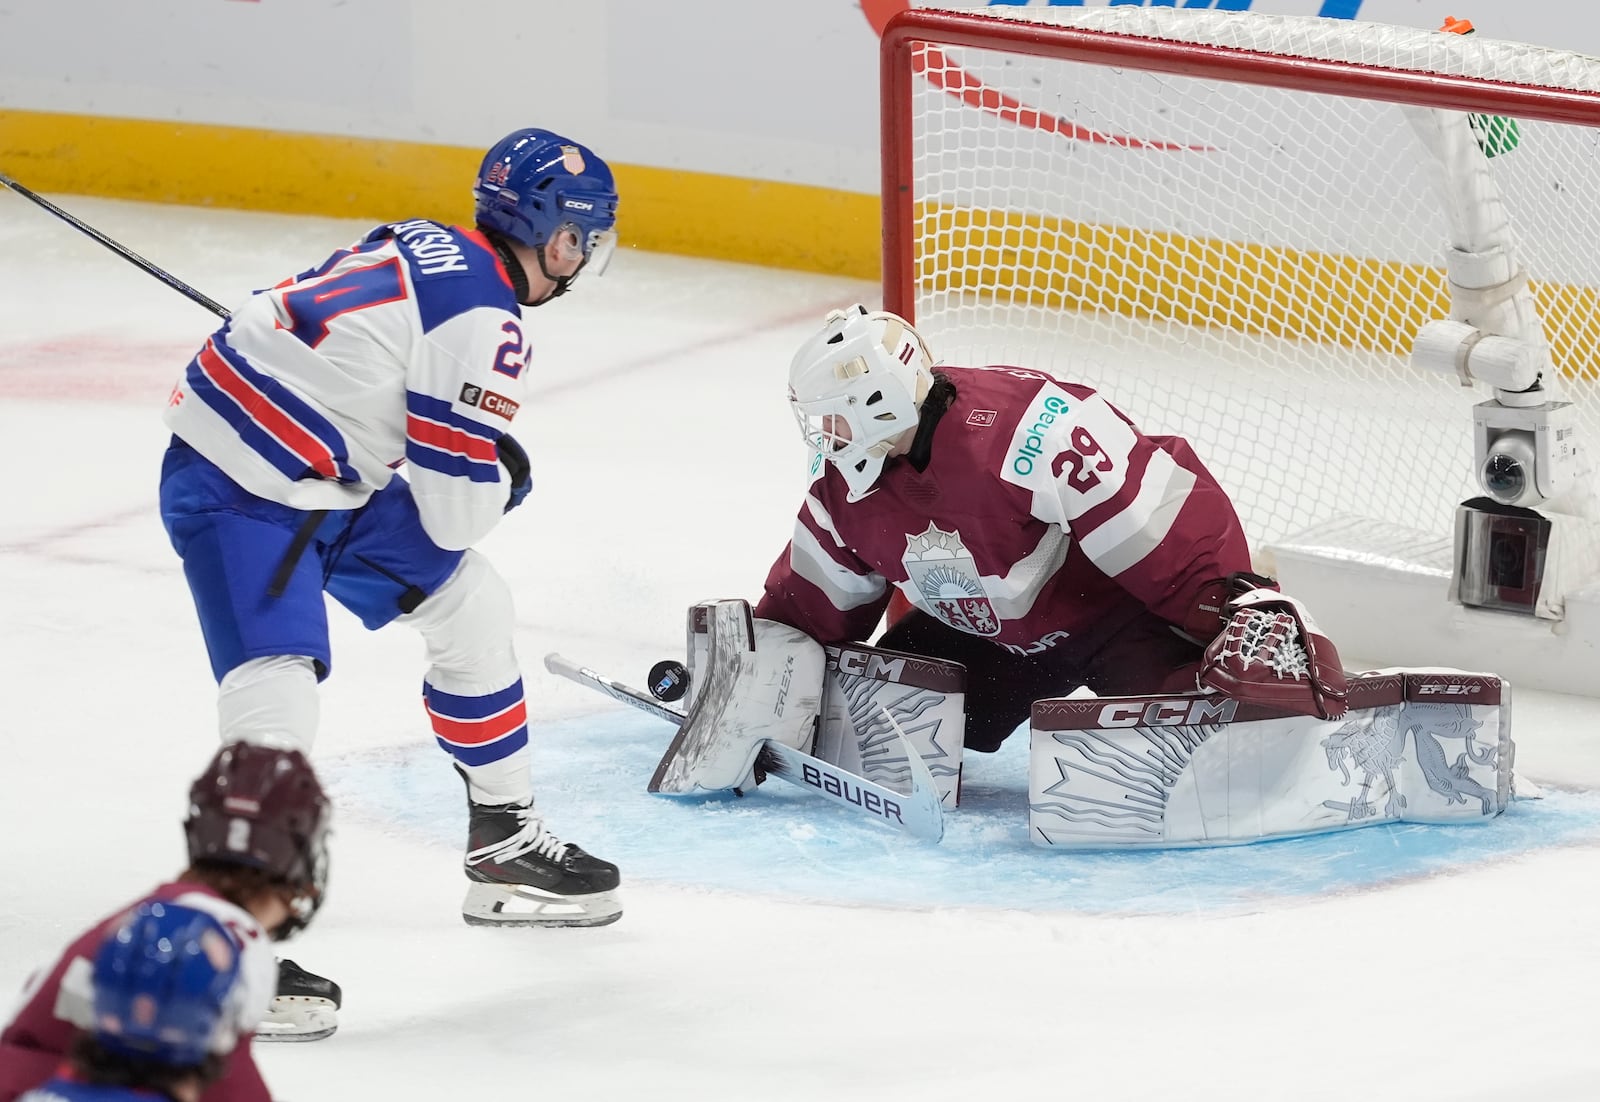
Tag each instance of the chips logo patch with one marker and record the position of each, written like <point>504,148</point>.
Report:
<point>572,159</point>
<point>470,394</point>
<point>499,405</point>
<point>982,417</point>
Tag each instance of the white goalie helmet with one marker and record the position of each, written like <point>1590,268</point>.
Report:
<point>855,386</point>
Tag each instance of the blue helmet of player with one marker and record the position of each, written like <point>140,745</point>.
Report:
<point>535,187</point>
<point>163,986</point>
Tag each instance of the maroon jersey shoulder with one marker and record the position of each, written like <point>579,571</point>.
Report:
<point>35,1042</point>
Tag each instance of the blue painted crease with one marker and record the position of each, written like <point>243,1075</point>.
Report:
<point>784,843</point>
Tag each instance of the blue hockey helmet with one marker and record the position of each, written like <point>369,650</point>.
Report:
<point>533,184</point>
<point>163,982</point>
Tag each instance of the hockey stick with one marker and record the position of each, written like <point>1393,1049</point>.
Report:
<point>116,246</point>
<point>918,813</point>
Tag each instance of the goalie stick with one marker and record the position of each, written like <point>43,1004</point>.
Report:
<point>918,813</point>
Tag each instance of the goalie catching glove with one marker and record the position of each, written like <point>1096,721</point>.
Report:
<point>1272,653</point>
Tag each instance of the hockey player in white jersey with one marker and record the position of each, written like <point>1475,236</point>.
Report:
<point>406,349</point>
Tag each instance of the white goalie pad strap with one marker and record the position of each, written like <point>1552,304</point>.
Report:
<point>926,697</point>
<point>757,680</point>
<point>1418,746</point>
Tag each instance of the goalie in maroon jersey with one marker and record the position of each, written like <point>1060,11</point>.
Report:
<point>1040,538</point>
<point>1042,541</point>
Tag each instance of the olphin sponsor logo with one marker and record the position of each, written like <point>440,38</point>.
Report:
<point>470,394</point>
<point>1031,444</point>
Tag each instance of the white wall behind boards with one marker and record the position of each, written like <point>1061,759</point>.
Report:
<point>781,90</point>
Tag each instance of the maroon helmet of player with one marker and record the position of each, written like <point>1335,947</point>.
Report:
<point>264,808</point>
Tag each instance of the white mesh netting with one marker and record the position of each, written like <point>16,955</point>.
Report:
<point>1244,265</point>
<point>1270,639</point>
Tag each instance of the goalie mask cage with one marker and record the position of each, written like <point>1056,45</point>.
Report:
<point>1225,222</point>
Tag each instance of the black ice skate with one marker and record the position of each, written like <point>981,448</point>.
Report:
<point>304,1009</point>
<point>522,875</point>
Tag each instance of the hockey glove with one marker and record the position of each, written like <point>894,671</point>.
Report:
<point>518,470</point>
<point>1273,654</point>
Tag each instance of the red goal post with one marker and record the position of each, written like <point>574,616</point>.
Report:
<point>1223,221</point>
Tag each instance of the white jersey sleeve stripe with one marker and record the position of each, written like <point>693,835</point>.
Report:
<point>1124,540</point>
<point>844,588</point>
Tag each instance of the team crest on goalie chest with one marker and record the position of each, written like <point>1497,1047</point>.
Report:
<point>948,582</point>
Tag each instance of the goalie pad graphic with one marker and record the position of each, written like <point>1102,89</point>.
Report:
<point>750,680</point>
<point>925,696</point>
<point>1417,746</point>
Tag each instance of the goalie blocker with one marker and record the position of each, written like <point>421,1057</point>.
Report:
<point>1420,746</point>
<point>854,706</point>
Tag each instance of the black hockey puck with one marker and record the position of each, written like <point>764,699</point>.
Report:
<point>669,680</point>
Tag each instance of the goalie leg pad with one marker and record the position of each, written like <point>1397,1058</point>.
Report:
<point>926,698</point>
<point>1421,746</point>
<point>758,680</point>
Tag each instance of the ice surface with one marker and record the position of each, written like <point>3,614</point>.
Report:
<point>775,947</point>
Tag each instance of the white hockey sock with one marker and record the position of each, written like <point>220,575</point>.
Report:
<point>270,702</point>
<point>507,781</point>
<point>473,687</point>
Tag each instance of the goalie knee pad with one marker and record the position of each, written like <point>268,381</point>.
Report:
<point>750,680</point>
<point>869,691</point>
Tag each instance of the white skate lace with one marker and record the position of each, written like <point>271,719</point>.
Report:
<point>532,837</point>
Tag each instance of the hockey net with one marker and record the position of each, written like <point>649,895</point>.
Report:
<point>1225,222</point>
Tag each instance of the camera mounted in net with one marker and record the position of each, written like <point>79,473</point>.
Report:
<point>1525,455</point>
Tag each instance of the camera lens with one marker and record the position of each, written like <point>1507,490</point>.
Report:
<point>1508,560</point>
<point>1504,478</point>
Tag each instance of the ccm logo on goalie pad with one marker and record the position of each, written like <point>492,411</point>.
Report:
<point>1169,713</point>
<point>862,664</point>
<point>835,785</point>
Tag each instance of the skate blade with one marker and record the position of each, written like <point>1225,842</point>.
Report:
<point>514,905</point>
<point>297,1018</point>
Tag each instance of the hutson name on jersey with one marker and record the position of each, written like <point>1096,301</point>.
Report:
<point>435,247</point>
